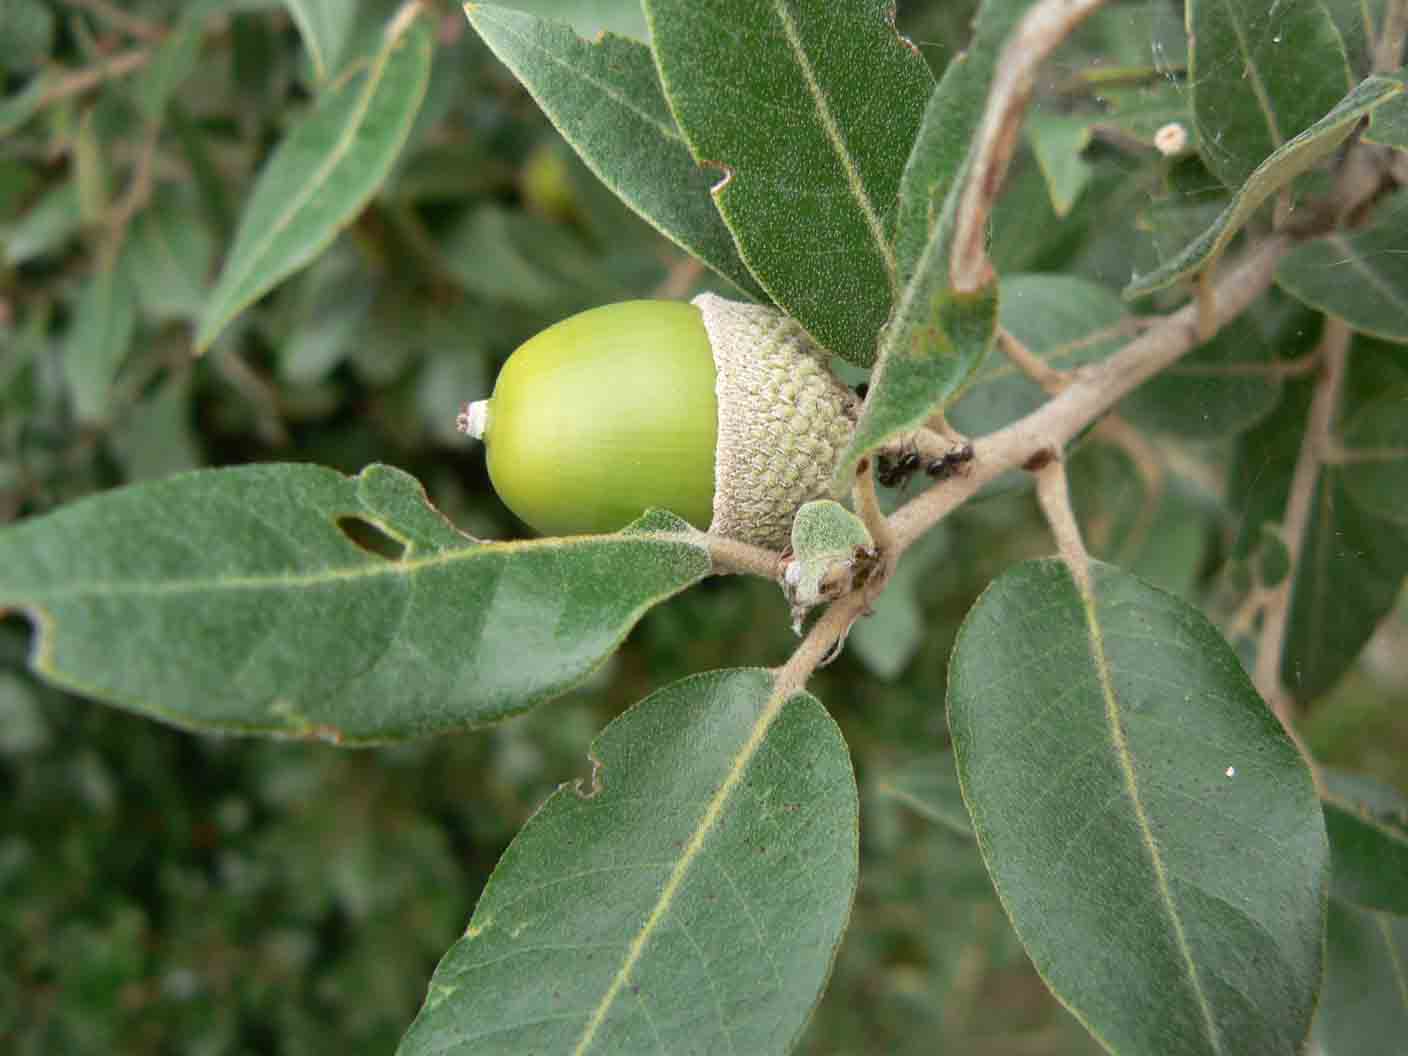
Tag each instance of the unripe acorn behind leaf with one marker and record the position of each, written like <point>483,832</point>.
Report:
<point>723,413</point>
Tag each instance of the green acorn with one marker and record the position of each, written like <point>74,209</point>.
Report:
<point>723,413</point>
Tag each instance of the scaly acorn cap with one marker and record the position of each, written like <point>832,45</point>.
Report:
<point>607,413</point>
<point>784,420</point>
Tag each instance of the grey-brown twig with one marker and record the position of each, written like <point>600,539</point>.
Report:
<point>132,25</point>
<point>1054,496</point>
<point>732,557</point>
<point>868,509</point>
<point>80,81</point>
<point>1091,393</point>
<point>820,643</point>
<point>1029,363</point>
<point>1040,32</point>
<point>1334,349</point>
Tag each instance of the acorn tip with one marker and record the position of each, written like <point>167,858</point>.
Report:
<point>474,419</point>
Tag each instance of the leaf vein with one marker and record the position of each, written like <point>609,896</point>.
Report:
<point>606,88</point>
<point>1115,724</point>
<point>707,823</point>
<point>838,142</point>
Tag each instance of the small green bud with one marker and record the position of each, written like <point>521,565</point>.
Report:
<point>722,413</point>
<point>831,553</point>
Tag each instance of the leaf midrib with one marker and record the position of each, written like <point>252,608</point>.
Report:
<point>605,88</point>
<point>315,184</point>
<point>1118,740</point>
<point>1254,76</point>
<point>839,147</point>
<point>325,577</point>
<point>1356,261</point>
<point>1361,814</point>
<point>708,821</point>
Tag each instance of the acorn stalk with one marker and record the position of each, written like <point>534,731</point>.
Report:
<point>721,412</point>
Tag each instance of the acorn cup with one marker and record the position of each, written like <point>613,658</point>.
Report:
<point>723,413</point>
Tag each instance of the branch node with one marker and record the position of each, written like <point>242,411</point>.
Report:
<point>1040,460</point>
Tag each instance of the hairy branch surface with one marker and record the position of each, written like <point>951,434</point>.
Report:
<point>1040,32</point>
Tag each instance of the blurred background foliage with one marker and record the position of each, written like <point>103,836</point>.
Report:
<point>167,893</point>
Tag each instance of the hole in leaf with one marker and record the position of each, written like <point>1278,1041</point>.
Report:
<point>372,538</point>
<point>588,787</point>
<point>19,633</point>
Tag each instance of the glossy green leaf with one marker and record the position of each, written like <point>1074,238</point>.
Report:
<point>1251,88</point>
<point>98,340</point>
<point>238,600</point>
<point>929,786</point>
<point>321,175</point>
<point>1364,1003</point>
<point>1388,125</point>
<point>1289,161</point>
<point>913,379</point>
<point>1225,386</point>
<point>950,123</point>
<point>324,26</point>
<point>1153,833</point>
<point>690,898</point>
<point>1063,320</point>
<point>1368,826</point>
<point>1375,468</point>
<point>1360,275</point>
<point>813,104</point>
<point>605,98</point>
